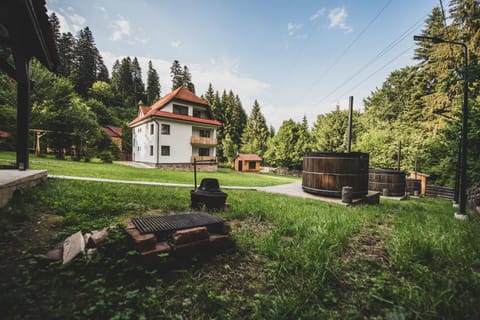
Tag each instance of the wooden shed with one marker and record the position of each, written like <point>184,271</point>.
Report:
<point>422,177</point>
<point>247,163</point>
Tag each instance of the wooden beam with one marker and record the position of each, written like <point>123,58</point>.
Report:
<point>23,105</point>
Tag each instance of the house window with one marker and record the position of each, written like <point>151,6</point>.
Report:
<point>165,129</point>
<point>197,113</point>
<point>152,128</point>
<point>151,150</point>
<point>165,150</point>
<point>180,110</point>
<point>204,152</point>
<point>252,165</point>
<point>205,133</point>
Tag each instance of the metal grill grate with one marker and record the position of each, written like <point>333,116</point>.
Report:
<point>163,226</point>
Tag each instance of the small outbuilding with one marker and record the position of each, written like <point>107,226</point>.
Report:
<point>422,177</point>
<point>247,163</point>
<point>116,134</point>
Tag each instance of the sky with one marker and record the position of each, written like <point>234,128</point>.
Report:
<point>296,58</point>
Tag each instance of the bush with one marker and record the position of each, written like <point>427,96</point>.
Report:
<point>106,157</point>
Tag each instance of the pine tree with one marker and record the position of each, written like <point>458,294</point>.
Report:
<point>255,135</point>
<point>187,79</point>
<point>153,84</point>
<point>209,96</point>
<point>66,46</point>
<point>116,76</point>
<point>85,53</point>
<point>138,86</point>
<point>434,28</point>
<point>102,71</point>
<point>55,26</point>
<point>176,75</point>
<point>125,82</point>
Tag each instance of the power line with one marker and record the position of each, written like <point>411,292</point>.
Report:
<point>383,52</point>
<point>378,70</point>
<point>349,46</point>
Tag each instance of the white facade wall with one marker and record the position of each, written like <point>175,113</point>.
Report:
<point>179,139</point>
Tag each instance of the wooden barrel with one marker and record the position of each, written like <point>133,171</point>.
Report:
<point>393,180</point>
<point>326,173</point>
<point>414,185</point>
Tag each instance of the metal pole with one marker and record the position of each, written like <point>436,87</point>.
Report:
<point>399,154</point>
<point>458,170</point>
<point>350,114</point>
<point>195,171</point>
<point>463,173</point>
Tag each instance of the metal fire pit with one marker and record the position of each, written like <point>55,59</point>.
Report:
<point>208,194</point>
<point>163,226</point>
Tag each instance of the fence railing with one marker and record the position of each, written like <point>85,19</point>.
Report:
<point>440,192</point>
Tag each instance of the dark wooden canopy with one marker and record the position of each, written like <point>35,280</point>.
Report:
<point>26,30</point>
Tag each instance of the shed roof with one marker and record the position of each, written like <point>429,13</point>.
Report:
<point>112,131</point>
<point>248,157</point>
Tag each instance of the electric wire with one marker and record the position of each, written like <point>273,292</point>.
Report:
<point>382,53</point>
<point>344,52</point>
<point>378,70</point>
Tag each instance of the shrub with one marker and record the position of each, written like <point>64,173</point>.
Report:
<point>106,156</point>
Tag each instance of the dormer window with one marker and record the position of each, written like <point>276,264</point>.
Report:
<point>177,109</point>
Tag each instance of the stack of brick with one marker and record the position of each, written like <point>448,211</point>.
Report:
<point>473,198</point>
<point>182,243</point>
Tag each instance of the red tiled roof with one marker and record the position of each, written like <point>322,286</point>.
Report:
<point>249,157</point>
<point>114,132</point>
<point>4,134</point>
<point>169,115</point>
<point>144,109</point>
<point>181,93</point>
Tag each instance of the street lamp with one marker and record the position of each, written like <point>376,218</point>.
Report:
<point>463,147</point>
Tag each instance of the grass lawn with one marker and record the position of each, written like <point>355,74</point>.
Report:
<point>95,169</point>
<point>294,259</point>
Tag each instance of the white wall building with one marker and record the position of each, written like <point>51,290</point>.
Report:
<point>174,131</point>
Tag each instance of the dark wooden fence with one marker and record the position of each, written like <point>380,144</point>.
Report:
<point>439,191</point>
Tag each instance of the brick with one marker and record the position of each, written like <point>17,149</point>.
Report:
<point>226,228</point>
<point>189,235</point>
<point>143,242</point>
<point>130,224</point>
<point>191,248</point>
<point>160,247</point>
<point>221,241</point>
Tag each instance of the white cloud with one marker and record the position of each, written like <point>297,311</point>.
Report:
<point>293,28</point>
<point>122,29</point>
<point>222,74</point>
<point>70,22</point>
<point>175,44</point>
<point>337,18</point>
<point>318,14</point>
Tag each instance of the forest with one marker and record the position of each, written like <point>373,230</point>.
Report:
<point>418,106</point>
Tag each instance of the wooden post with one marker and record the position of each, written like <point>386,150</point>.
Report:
<point>23,105</point>
<point>350,114</point>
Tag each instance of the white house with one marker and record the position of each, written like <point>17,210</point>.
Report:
<point>174,131</point>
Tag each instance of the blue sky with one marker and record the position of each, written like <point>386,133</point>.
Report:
<point>295,57</point>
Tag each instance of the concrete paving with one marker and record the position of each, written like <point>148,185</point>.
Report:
<point>13,180</point>
<point>295,190</point>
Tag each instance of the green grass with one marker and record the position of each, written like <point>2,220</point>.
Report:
<point>294,259</point>
<point>95,169</point>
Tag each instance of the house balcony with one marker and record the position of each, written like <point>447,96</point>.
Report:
<point>201,141</point>
<point>204,159</point>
